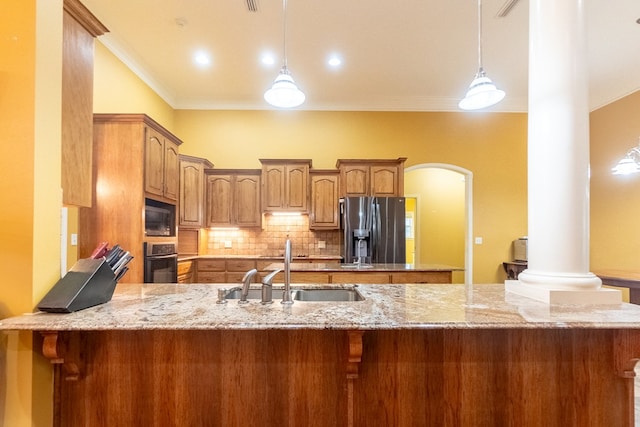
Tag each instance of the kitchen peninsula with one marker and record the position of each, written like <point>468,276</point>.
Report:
<point>406,355</point>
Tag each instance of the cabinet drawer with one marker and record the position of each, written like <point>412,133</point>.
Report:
<point>422,277</point>
<point>237,276</point>
<point>240,264</point>
<point>211,277</point>
<point>309,277</point>
<point>211,265</point>
<point>361,277</point>
<point>301,277</point>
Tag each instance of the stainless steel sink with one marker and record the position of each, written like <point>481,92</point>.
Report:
<point>319,294</point>
<point>303,294</point>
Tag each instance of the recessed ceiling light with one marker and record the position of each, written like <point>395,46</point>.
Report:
<point>268,59</point>
<point>202,59</point>
<point>334,61</point>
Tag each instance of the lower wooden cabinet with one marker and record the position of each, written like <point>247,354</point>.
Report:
<point>185,271</point>
<point>231,270</point>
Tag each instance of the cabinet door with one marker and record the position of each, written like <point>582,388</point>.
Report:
<point>274,187</point>
<point>324,202</point>
<point>219,201</point>
<point>247,201</point>
<point>384,181</point>
<point>296,186</point>
<point>355,180</point>
<point>154,162</point>
<point>171,171</point>
<point>191,194</point>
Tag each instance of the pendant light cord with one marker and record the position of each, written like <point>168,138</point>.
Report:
<point>479,35</point>
<point>284,32</point>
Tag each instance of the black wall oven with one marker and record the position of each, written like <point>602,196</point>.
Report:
<point>160,262</point>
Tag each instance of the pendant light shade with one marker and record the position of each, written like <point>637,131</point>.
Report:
<point>630,163</point>
<point>284,93</point>
<point>482,92</point>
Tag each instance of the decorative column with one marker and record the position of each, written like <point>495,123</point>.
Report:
<point>558,165</point>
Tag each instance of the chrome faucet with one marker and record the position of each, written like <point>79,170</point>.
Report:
<point>286,297</point>
<point>267,287</point>
<point>246,281</point>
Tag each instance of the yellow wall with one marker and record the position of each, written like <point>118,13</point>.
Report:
<point>615,199</point>
<point>30,195</point>
<point>118,90</point>
<point>441,210</point>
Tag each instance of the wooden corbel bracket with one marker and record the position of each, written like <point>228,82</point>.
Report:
<point>52,349</point>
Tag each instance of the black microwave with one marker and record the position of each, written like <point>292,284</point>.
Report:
<point>159,218</point>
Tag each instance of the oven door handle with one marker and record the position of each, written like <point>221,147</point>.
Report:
<point>162,256</point>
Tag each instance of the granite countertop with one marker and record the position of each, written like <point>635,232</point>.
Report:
<point>338,267</point>
<point>193,307</point>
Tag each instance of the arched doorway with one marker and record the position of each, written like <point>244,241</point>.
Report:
<point>438,182</point>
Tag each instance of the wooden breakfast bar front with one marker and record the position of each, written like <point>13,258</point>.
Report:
<point>406,355</point>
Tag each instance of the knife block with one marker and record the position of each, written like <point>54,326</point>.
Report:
<point>88,283</point>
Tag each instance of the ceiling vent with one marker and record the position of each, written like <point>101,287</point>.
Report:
<point>252,5</point>
<point>504,10</point>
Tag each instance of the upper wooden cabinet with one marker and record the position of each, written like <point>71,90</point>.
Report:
<point>191,203</point>
<point>161,165</point>
<point>79,28</point>
<point>324,211</point>
<point>233,198</point>
<point>117,214</point>
<point>285,185</point>
<point>371,177</point>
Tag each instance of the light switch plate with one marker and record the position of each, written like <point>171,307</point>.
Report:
<point>227,244</point>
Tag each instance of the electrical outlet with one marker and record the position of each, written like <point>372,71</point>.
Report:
<point>322,244</point>
<point>74,239</point>
<point>478,240</point>
<point>227,244</point>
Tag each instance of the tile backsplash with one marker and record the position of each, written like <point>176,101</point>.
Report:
<point>271,238</point>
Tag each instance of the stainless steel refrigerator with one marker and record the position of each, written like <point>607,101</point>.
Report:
<point>374,230</point>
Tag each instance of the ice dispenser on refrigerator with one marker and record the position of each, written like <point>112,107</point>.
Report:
<point>374,230</point>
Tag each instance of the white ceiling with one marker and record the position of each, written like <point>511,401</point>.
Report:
<point>402,55</point>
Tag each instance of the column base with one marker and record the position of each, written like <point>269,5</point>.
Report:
<point>602,296</point>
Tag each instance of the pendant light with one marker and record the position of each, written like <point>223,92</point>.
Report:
<point>284,93</point>
<point>482,92</point>
<point>630,163</point>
